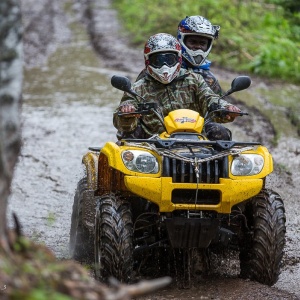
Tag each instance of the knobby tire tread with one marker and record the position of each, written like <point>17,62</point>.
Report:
<point>81,244</point>
<point>115,239</point>
<point>265,250</point>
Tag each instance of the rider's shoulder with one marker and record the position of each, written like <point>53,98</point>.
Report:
<point>187,73</point>
<point>141,81</point>
<point>194,74</point>
<point>193,77</point>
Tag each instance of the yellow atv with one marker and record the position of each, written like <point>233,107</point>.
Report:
<point>150,207</point>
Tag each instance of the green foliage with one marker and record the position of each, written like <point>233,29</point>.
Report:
<point>291,6</point>
<point>31,272</point>
<point>272,60</point>
<point>256,36</point>
<point>41,294</point>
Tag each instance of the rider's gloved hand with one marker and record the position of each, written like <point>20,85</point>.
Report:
<point>231,116</point>
<point>128,108</point>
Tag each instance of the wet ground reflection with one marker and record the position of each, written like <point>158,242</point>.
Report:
<point>67,107</point>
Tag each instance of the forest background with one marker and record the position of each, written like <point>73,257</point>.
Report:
<point>259,37</point>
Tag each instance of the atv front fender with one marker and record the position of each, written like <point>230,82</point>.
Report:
<point>90,160</point>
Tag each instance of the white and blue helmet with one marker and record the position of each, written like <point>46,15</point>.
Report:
<point>196,25</point>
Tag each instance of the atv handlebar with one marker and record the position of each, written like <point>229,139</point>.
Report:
<point>223,112</point>
<point>145,108</point>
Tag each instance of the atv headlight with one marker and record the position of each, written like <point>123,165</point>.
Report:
<point>247,164</point>
<point>140,161</point>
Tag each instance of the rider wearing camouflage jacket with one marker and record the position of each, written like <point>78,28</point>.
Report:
<point>206,73</point>
<point>188,90</point>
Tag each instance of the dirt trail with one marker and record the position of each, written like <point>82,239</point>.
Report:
<point>46,30</point>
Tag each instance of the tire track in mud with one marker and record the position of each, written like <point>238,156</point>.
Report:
<point>44,30</point>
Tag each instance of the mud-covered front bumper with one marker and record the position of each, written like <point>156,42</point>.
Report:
<point>160,191</point>
<point>191,233</point>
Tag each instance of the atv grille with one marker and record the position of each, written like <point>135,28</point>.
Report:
<point>184,172</point>
<point>184,196</point>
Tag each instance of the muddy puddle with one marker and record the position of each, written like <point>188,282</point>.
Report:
<point>67,107</point>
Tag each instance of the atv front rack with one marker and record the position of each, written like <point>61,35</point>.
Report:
<point>169,143</point>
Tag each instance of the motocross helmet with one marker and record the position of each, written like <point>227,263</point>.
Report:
<point>196,25</point>
<point>163,59</point>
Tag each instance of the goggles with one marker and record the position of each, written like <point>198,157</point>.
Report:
<point>157,60</point>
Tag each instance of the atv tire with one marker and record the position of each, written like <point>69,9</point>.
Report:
<point>263,242</point>
<point>113,239</point>
<point>81,245</point>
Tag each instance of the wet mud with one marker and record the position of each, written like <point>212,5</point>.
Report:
<point>72,48</point>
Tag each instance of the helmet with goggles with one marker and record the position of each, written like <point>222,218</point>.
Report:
<point>196,26</point>
<point>162,55</point>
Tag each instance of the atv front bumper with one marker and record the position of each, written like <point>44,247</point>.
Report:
<point>226,193</point>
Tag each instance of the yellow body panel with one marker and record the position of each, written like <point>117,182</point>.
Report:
<point>183,120</point>
<point>159,191</point>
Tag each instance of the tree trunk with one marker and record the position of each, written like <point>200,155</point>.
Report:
<point>10,101</point>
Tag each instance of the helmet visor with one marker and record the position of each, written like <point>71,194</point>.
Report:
<point>157,60</point>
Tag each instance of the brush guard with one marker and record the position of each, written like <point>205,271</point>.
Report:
<point>191,233</point>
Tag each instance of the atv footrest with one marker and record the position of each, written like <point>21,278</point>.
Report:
<point>191,233</point>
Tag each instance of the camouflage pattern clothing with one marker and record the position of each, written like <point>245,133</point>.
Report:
<point>213,131</point>
<point>188,90</point>
<point>207,75</point>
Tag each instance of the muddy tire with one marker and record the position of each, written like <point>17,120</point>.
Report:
<point>81,245</point>
<point>263,242</point>
<point>113,239</point>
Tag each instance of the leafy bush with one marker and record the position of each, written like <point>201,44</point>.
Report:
<point>256,36</point>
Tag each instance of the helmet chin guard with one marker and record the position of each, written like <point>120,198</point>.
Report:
<point>165,74</point>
